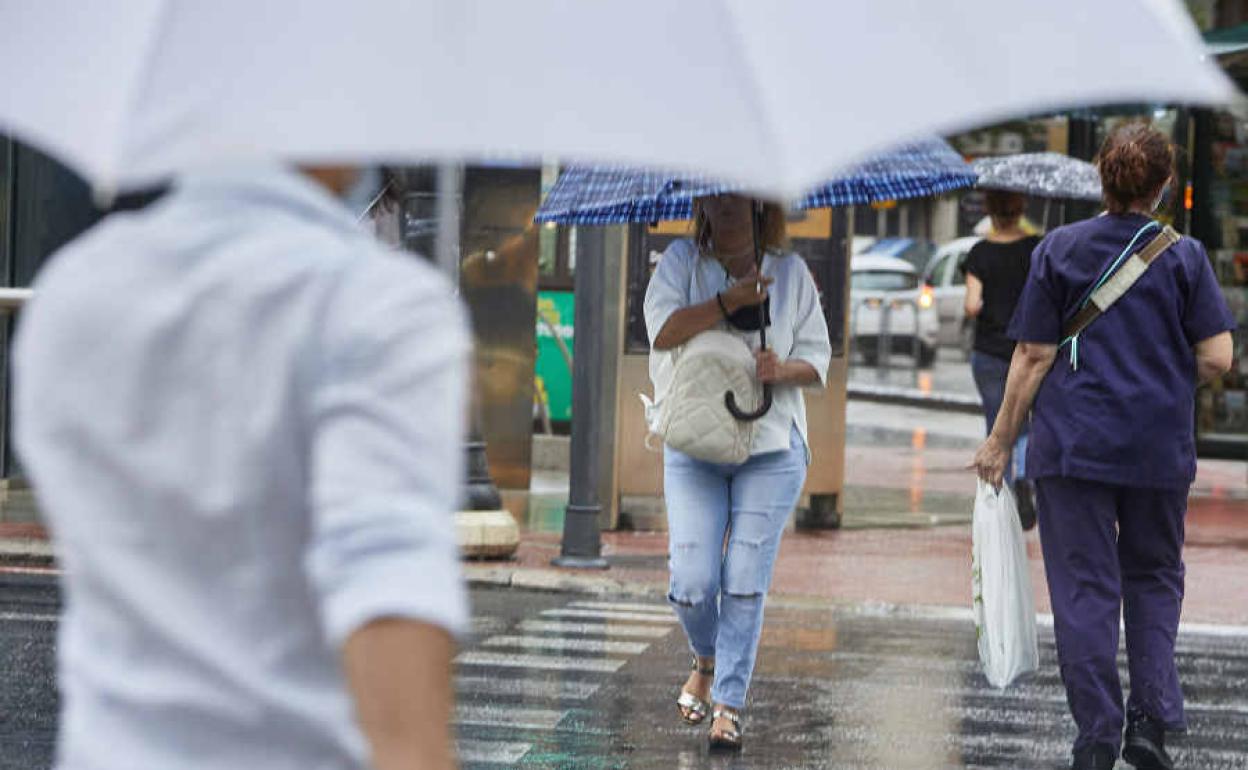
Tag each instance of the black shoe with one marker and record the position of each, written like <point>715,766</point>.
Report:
<point>1095,757</point>
<point>1025,496</point>
<point>1145,744</point>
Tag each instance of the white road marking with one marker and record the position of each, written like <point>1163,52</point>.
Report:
<point>542,662</point>
<point>539,689</point>
<point>492,752</point>
<point>567,645</point>
<point>508,716</point>
<point>595,629</point>
<point>639,617</point>
<point>29,617</point>
<point>658,609</point>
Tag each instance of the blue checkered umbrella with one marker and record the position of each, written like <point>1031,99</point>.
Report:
<point>598,195</point>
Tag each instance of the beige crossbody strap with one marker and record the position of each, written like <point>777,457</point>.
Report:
<point>1122,280</point>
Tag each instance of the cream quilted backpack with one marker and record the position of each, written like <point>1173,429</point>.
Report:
<point>692,417</point>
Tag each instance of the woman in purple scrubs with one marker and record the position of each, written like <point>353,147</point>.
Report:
<point>1112,447</point>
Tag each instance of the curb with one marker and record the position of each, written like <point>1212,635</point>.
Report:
<point>888,394</point>
<point>557,581</point>
<point>26,552</point>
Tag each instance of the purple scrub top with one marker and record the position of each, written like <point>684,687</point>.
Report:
<point>1125,415</point>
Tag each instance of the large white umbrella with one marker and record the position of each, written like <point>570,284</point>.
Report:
<point>771,95</point>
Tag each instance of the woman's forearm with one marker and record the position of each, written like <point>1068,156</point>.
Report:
<point>1028,368</point>
<point>682,325</point>
<point>798,373</point>
<point>1214,357</point>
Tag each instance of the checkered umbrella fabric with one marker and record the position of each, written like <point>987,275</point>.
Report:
<point>600,195</point>
<point>916,170</point>
<point>603,195</point>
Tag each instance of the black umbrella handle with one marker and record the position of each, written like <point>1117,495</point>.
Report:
<point>730,401</point>
<point>730,398</point>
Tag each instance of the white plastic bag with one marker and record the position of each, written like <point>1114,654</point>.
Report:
<point>1005,612</point>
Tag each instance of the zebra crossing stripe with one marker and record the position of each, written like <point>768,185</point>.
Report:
<point>544,662</point>
<point>539,689</point>
<point>492,752</point>
<point>659,609</point>
<point>641,617</point>
<point>23,617</point>
<point>594,629</point>
<point>567,645</point>
<point>484,715</point>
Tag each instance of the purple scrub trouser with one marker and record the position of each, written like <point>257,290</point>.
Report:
<point>1108,549</point>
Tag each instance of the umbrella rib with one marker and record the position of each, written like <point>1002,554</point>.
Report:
<point>138,84</point>
<point>770,133</point>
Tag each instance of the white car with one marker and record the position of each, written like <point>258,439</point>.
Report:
<point>948,283</point>
<point>886,293</point>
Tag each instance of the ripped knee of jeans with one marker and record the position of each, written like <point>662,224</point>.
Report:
<point>693,581</point>
<point>691,594</point>
<point>747,570</point>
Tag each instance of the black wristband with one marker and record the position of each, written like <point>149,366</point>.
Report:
<point>720,301</point>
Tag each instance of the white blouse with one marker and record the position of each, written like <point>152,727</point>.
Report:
<point>797,330</point>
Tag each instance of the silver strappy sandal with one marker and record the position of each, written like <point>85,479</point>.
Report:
<point>693,710</point>
<point>726,740</point>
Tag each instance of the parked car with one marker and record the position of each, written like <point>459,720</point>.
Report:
<point>948,284</point>
<point>887,291</point>
<point>915,251</point>
<point>860,243</point>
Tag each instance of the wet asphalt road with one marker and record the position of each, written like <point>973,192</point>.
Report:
<point>552,680</point>
<point>28,606</point>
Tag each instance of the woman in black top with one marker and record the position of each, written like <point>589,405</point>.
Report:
<point>996,271</point>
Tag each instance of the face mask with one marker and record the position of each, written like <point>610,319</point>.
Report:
<point>747,319</point>
<point>363,193</point>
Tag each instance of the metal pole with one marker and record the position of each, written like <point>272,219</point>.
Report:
<point>884,342</point>
<point>582,537</point>
<point>914,340</point>
<point>480,494</point>
<point>450,186</point>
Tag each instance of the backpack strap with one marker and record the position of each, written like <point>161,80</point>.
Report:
<point>1122,279</point>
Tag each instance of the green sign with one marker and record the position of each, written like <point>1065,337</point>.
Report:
<point>554,364</point>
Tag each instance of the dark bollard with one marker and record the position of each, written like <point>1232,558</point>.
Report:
<point>582,537</point>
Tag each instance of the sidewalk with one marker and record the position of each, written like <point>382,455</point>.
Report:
<point>896,566</point>
<point>906,538</point>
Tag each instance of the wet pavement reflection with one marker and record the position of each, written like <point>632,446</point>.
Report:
<point>949,375</point>
<point>833,689</point>
<point>570,681</point>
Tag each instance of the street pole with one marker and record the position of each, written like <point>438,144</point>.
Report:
<point>450,185</point>
<point>485,530</point>
<point>582,537</point>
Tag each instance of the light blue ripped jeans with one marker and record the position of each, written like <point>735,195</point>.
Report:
<point>724,527</point>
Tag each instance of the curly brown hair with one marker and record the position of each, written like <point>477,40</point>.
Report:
<point>1135,162</point>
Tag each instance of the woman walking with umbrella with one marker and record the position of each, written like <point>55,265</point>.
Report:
<point>1111,449</point>
<point>996,270</point>
<point>725,521</point>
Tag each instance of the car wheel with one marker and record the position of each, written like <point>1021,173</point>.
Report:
<point>870,356</point>
<point>927,356</point>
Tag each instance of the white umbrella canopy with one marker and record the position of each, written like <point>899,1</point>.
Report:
<point>773,96</point>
